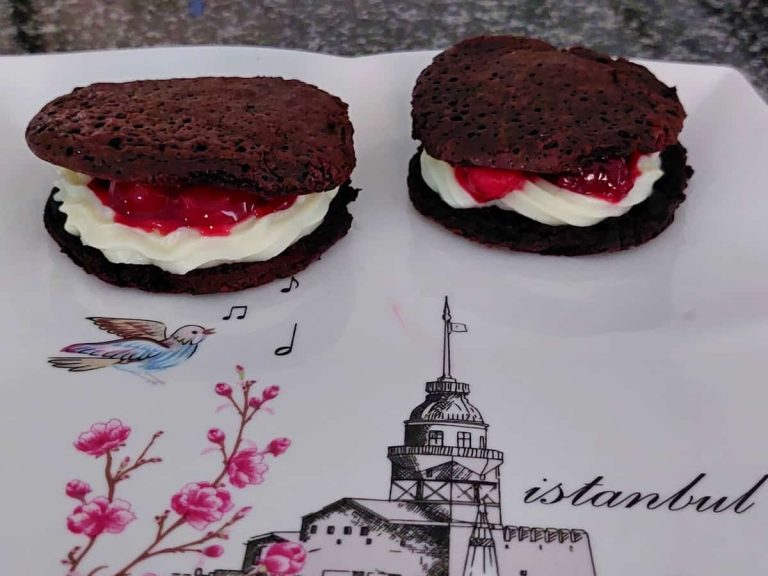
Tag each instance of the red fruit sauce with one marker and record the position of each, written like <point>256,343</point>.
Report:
<point>610,179</point>
<point>487,184</point>
<point>211,211</point>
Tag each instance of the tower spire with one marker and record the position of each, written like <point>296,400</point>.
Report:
<point>448,328</point>
<point>446,342</point>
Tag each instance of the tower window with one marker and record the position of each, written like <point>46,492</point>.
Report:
<point>482,441</point>
<point>338,541</point>
<point>347,530</point>
<point>464,440</point>
<point>364,531</point>
<point>368,541</point>
<point>331,529</point>
<point>313,529</point>
<point>435,437</point>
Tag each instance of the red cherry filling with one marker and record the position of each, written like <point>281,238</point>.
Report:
<point>211,211</point>
<point>487,184</point>
<point>609,179</point>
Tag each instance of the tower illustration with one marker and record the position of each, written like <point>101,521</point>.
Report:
<point>442,516</point>
<point>444,458</point>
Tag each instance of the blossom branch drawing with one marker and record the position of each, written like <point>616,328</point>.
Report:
<point>205,506</point>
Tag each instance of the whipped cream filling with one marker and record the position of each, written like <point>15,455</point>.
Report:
<point>255,239</point>
<point>541,200</point>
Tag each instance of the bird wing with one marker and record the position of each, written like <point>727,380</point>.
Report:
<point>131,327</point>
<point>131,350</point>
<point>80,364</point>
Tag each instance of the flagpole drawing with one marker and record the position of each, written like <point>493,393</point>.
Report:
<point>446,342</point>
<point>448,329</point>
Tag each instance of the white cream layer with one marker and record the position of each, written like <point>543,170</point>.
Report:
<point>541,200</point>
<point>185,249</point>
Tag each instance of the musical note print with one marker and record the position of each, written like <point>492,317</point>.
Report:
<point>232,311</point>
<point>285,350</point>
<point>290,286</point>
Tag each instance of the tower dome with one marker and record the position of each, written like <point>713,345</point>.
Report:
<point>447,401</point>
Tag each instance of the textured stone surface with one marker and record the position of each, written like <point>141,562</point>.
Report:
<point>716,31</point>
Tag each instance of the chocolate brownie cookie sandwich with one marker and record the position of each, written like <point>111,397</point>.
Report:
<point>544,150</point>
<point>196,185</point>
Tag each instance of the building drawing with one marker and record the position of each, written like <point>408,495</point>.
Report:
<point>443,514</point>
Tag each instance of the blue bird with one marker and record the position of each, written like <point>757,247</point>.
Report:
<point>143,347</point>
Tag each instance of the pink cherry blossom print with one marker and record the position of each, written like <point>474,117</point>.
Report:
<point>246,467</point>
<point>284,559</point>
<point>278,446</point>
<point>213,551</point>
<point>205,506</point>
<point>103,437</point>
<point>223,389</point>
<point>201,503</point>
<point>100,515</point>
<point>216,435</point>
<point>77,489</point>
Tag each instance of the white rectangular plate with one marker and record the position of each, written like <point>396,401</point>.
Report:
<point>645,367</point>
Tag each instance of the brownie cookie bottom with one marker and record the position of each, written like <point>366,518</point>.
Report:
<point>221,278</point>
<point>497,227</point>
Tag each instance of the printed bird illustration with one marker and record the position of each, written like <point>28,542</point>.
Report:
<point>143,347</point>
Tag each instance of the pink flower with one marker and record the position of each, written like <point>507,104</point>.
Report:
<point>278,446</point>
<point>216,435</point>
<point>246,467</point>
<point>103,437</point>
<point>284,559</point>
<point>270,392</point>
<point>99,516</point>
<point>201,503</point>
<point>223,389</point>
<point>213,551</point>
<point>78,489</point>
<point>254,403</point>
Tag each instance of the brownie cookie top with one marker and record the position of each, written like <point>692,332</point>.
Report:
<point>269,136</point>
<point>518,103</point>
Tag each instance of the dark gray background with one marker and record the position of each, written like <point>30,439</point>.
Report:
<point>733,32</point>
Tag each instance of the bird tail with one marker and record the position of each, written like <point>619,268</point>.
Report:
<point>78,364</point>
